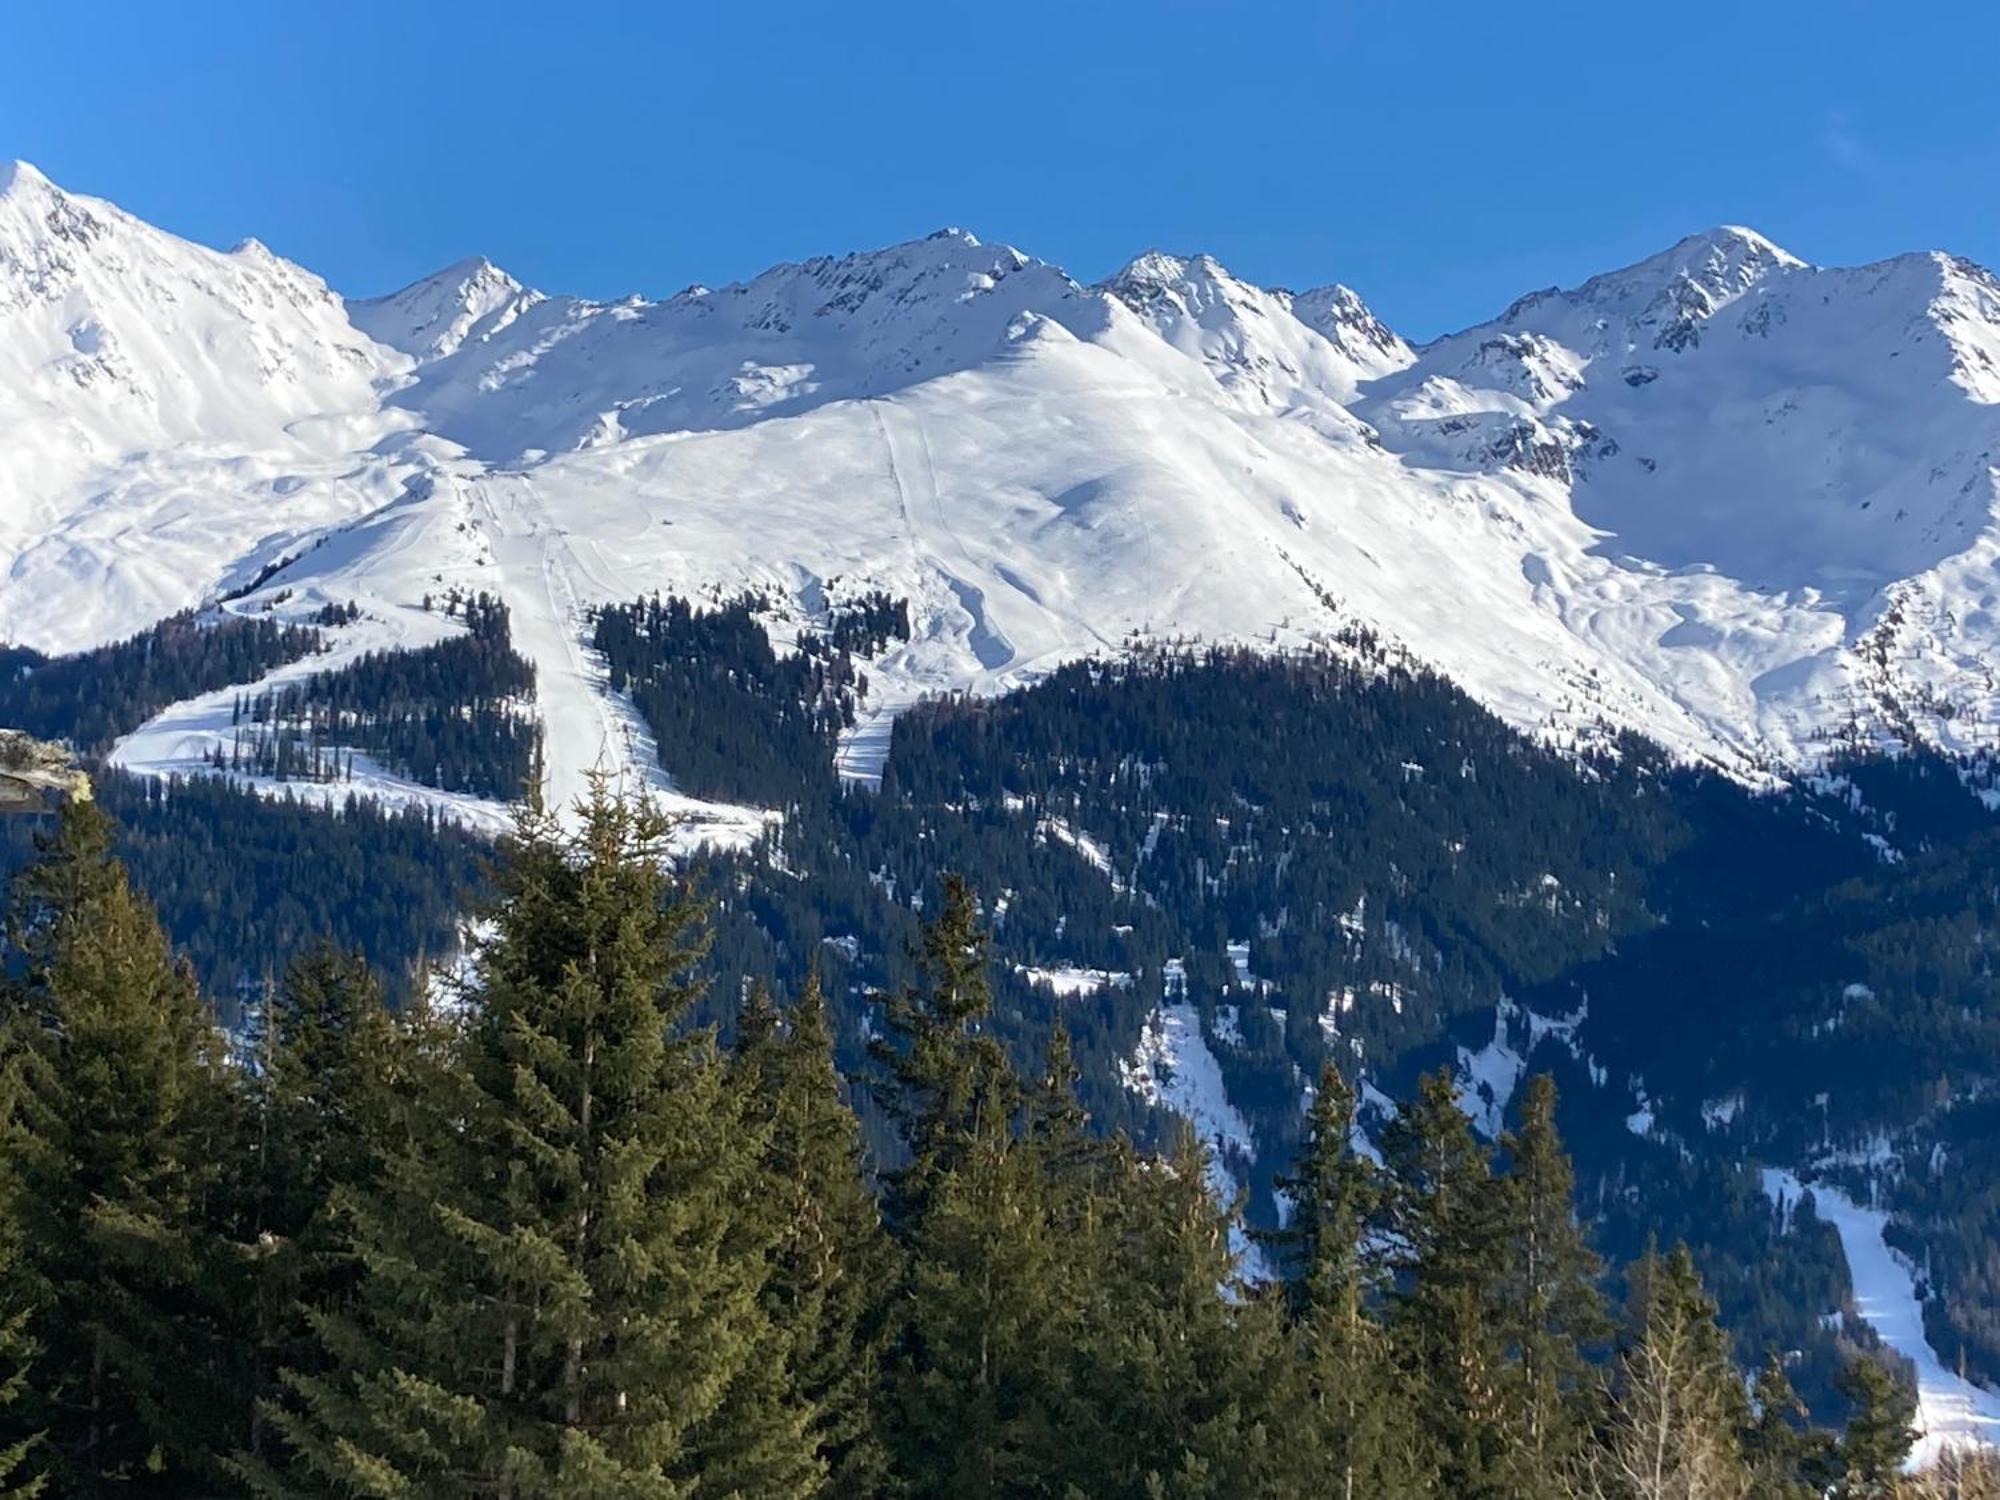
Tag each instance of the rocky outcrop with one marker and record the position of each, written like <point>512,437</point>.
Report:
<point>35,776</point>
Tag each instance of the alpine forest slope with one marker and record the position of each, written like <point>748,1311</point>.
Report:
<point>1313,722</point>
<point>557,1240</point>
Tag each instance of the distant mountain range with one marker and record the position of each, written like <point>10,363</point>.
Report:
<point>1739,503</point>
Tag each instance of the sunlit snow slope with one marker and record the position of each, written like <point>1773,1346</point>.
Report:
<point>1739,503</point>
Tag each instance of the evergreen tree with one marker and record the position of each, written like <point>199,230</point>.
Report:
<point>972,1378</point>
<point>832,1267</point>
<point>1679,1405</point>
<point>1358,1423</point>
<point>1088,1186</point>
<point>560,1293</point>
<point>321,1094</point>
<point>16,1350</point>
<point>1550,1313</point>
<point>1789,1459</point>
<point>1180,1383</point>
<point>1878,1435</point>
<point>949,1083</point>
<point>121,1122</point>
<point>17,1347</point>
<point>1445,1213</point>
<point>1057,1121</point>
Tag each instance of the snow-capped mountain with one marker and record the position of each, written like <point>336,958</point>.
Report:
<point>165,407</point>
<point>1737,502</point>
<point>1724,404</point>
<point>470,301</point>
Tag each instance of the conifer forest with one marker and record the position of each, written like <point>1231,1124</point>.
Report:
<point>535,1233</point>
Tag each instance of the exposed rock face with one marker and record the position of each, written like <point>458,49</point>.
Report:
<point>35,776</point>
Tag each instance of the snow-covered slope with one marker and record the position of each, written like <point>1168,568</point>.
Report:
<point>1952,1411</point>
<point>509,373</point>
<point>1724,405</point>
<point>1739,503</point>
<point>167,409</point>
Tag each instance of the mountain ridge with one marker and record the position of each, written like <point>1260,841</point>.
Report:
<point>1737,502</point>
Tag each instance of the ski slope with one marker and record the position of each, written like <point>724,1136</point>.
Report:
<point>1952,1412</point>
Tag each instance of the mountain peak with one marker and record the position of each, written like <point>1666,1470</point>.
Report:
<point>1736,246</point>
<point>470,272</point>
<point>1724,262</point>
<point>433,317</point>
<point>472,268</point>
<point>1336,313</point>
<point>19,176</point>
<point>1662,300</point>
<point>1158,268</point>
<point>1739,239</point>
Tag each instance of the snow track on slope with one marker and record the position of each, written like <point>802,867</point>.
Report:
<point>586,729</point>
<point>547,623</point>
<point>1951,1410</point>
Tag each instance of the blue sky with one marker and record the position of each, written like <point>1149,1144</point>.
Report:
<point>1439,158</point>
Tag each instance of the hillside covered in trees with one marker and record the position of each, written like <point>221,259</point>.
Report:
<point>1240,868</point>
<point>543,1235</point>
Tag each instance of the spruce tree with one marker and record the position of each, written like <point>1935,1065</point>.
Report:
<point>560,1291</point>
<point>1183,1384</point>
<point>1550,1313</point>
<point>947,1079</point>
<point>970,1388</point>
<point>1092,1192</point>
<point>1878,1435</point>
<point>121,1123</point>
<point>1355,1417</point>
<point>18,1438</point>
<point>1056,1119</point>
<point>1089,1184</point>
<point>320,1098</point>
<point>1446,1217</point>
<point>832,1267</point>
<point>16,1446</point>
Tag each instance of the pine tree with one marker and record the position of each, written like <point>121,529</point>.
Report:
<point>1445,1212</point>
<point>1358,1425</point>
<point>1679,1405</point>
<point>832,1266</point>
<point>1550,1313</point>
<point>121,1123</point>
<point>560,1293</point>
<point>1878,1436</point>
